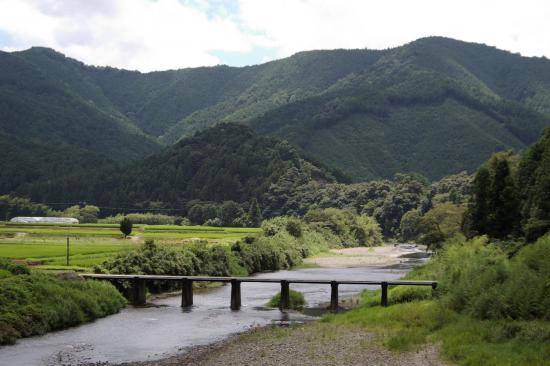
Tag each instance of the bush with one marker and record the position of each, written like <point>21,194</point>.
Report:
<point>12,267</point>
<point>36,303</point>
<point>296,300</point>
<point>147,219</point>
<point>477,278</point>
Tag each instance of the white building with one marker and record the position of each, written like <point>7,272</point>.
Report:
<point>45,220</point>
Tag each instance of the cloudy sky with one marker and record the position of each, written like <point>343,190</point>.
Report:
<point>167,34</point>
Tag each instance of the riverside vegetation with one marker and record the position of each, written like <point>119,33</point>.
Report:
<point>33,302</point>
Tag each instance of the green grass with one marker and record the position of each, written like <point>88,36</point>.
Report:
<point>33,304</point>
<point>464,340</point>
<point>92,244</point>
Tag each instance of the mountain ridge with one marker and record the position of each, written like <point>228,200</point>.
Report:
<point>434,106</point>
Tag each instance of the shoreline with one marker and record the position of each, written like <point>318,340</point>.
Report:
<point>226,351</point>
<point>385,255</point>
<point>309,344</point>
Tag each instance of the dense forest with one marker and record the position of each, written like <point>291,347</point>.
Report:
<point>368,113</point>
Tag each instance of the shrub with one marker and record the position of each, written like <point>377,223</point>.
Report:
<point>12,267</point>
<point>147,218</point>
<point>296,300</point>
<point>36,303</point>
<point>477,278</point>
<point>126,226</point>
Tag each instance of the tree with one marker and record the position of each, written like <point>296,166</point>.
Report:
<point>505,215</point>
<point>126,226</point>
<point>409,226</point>
<point>440,223</point>
<point>88,214</point>
<point>254,213</point>
<point>229,212</point>
<point>476,218</point>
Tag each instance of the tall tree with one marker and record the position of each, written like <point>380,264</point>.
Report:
<point>255,213</point>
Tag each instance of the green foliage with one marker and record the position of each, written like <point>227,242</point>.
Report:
<point>146,218</point>
<point>511,197</point>
<point>409,226</point>
<point>284,242</point>
<point>85,215</point>
<point>226,166</point>
<point>463,339</point>
<point>477,278</point>
<point>52,116</point>
<point>488,309</point>
<point>13,268</point>
<point>534,183</point>
<point>296,300</point>
<point>367,113</point>
<point>126,226</point>
<point>254,213</point>
<point>15,206</point>
<point>32,304</point>
<point>439,224</point>
<point>494,208</point>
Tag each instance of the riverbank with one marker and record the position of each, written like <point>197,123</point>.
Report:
<point>386,255</point>
<point>310,344</point>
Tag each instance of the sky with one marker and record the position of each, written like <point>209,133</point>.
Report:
<point>150,35</point>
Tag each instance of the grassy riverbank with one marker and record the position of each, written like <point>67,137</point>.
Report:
<point>491,309</point>
<point>283,243</point>
<point>34,303</point>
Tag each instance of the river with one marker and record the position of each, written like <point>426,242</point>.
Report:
<point>165,329</point>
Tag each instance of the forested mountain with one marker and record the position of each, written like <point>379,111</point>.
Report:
<point>46,106</point>
<point>435,106</point>
<point>227,162</point>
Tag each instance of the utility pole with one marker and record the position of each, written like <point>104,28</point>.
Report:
<point>67,251</point>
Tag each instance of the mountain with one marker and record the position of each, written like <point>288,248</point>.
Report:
<point>224,162</point>
<point>46,98</point>
<point>435,106</point>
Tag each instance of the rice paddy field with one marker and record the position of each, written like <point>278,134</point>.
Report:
<point>45,245</point>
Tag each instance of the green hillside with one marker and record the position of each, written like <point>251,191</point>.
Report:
<point>53,104</point>
<point>225,162</point>
<point>435,106</point>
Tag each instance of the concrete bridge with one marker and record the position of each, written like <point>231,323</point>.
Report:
<point>138,292</point>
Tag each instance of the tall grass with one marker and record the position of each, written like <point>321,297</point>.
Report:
<point>32,304</point>
<point>488,309</point>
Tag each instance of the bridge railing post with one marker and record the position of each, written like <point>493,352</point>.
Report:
<point>334,296</point>
<point>384,300</point>
<point>235,294</point>
<point>186,293</point>
<point>285,295</point>
<point>139,291</point>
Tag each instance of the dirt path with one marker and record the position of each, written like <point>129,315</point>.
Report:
<point>307,345</point>
<point>358,257</point>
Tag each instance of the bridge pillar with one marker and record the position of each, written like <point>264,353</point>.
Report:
<point>285,295</point>
<point>235,294</point>
<point>186,293</point>
<point>139,291</point>
<point>384,300</point>
<point>334,296</point>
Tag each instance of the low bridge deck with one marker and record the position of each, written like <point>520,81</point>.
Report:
<point>138,296</point>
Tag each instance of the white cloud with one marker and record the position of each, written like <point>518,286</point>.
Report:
<point>296,25</point>
<point>163,34</point>
<point>135,34</point>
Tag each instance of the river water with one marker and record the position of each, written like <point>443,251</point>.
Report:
<point>165,329</point>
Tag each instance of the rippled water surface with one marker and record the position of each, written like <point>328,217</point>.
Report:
<point>166,329</point>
